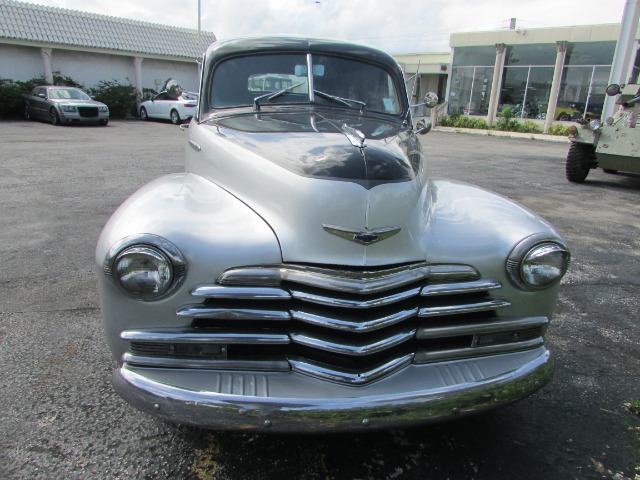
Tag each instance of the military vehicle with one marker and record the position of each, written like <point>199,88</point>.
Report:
<point>613,146</point>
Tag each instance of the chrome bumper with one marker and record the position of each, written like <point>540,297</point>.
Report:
<point>290,402</point>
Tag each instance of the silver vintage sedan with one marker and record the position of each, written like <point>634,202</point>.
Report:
<point>63,106</point>
<point>306,273</point>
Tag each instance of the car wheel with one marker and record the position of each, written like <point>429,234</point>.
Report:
<point>608,170</point>
<point>143,113</point>
<point>564,117</point>
<point>105,122</point>
<point>27,113</point>
<point>580,159</point>
<point>54,117</point>
<point>175,117</point>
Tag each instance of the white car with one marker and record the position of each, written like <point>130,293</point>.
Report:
<point>167,107</point>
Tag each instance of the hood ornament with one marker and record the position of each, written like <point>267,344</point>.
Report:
<point>363,237</point>
<point>356,137</point>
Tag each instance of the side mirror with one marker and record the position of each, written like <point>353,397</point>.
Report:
<point>423,127</point>
<point>430,100</point>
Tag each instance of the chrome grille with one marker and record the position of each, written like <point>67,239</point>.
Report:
<point>345,325</point>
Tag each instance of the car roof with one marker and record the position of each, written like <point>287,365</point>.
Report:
<point>291,44</point>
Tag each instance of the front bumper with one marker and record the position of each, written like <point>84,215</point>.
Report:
<point>290,402</point>
<point>76,118</point>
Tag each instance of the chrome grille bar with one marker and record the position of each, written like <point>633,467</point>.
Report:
<point>427,332</point>
<point>356,304</point>
<point>202,311</point>
<point>461,309</point>
<point>351,349</point>
<point>349,281</point>
<point>176,362</point>
<point>459,287</point>
<point>178,336</point>
<point>240,293</point>
<point>351,378</point>
<point>426,356</point>
<point>353,326</point>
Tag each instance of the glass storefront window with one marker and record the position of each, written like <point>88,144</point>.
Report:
<point>526,55</point>
<point>582,92</point>
<point>525,90</point>
<point>474,56</point>
<point>470,90</point>
<point>590,53</point>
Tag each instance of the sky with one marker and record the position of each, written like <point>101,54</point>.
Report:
<point>397,26</point>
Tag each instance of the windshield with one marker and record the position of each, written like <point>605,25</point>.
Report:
<point>68,94</point>
<point>276,79</point>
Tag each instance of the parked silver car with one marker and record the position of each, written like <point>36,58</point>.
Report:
<point>168,107</point>
<point>307,273</point>
<point>64,106</point>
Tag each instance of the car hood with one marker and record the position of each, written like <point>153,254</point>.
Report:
<point>335,188</point>
<point>90,103</point>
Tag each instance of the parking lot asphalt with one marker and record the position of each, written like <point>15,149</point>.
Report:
<point>60,419</point>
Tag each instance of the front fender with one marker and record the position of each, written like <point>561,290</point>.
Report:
<point>212,229</point>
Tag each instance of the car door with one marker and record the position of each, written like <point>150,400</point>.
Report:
<point>160,106</point>
<point>38,103</point>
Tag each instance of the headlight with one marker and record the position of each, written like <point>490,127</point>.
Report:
<point>145,267</point>
<point>143,272</point>
<point>537,263</point>
<point>103,108</point>
<point>69,108</point>
<point>595,125</point>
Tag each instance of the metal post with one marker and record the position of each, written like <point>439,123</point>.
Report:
<point>555,84</point>
<point>624,48</point>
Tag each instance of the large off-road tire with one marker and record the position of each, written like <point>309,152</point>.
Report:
<point>580,159</point>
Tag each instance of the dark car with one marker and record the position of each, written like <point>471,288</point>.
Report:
<point>64,106</point>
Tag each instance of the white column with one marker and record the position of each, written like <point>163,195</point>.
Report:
<point>48,69</point>
<point>137,63</point>
<point>555,85</point>
<point>495,84</point>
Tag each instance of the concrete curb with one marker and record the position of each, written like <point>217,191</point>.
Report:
<point>498,133</point>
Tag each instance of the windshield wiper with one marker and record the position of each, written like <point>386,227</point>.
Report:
<point>342,101</point>
<point>271,95</point>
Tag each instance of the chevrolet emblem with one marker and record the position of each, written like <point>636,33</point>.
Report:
<point>363,237</point>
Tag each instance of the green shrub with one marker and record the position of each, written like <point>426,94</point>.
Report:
<point>121,99</point>
<point>458,121</point>
<point>506,122</point>
<point>557,129</point>
<point>529,127</point>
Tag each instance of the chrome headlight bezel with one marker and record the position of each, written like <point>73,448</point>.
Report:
<point>538,262</point>
<point>69,108</point>
<point>147,250</point>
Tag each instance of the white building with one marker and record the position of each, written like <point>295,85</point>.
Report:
<point>37,41</point>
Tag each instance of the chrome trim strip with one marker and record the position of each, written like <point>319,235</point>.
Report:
<point>250,365</point>
<point>427,332</point>
<point>336,410</point>
<point>181,336</point>
<point>356,304</point>
<point>202,311</point>
<point>424,356</point>
<point>460,287</point>
<point>324,372</point>
<point>353,326</point>
<point>467,308</point>
<point>349,281</point>
<point>350,349</point>
<point>240,293</point>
